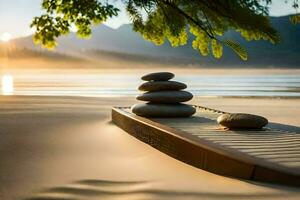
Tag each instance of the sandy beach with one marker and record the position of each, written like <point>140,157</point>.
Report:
<point>67,148</point>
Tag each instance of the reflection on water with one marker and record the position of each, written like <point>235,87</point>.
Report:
<point>113,85</point>
<point>7,85</point>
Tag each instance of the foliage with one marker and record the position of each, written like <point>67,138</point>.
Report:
<point>61,14</point>
<point>295,19</point>
<point>161,20</point>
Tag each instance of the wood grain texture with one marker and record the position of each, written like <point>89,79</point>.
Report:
<point>201,145</point>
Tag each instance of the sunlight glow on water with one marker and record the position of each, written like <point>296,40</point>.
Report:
<point>7,85</point>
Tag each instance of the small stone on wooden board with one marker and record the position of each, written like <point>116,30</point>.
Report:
<point>242,121</point>
<point>158,76</point>
<point>162,85</point>
<point>166,96</point>
<point>163,110</point>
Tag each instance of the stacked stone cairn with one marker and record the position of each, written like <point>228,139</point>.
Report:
<point>164,97</point>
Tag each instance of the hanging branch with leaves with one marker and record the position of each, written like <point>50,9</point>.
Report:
<point>164,20</point>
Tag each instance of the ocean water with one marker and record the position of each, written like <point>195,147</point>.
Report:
<point>114,85</point>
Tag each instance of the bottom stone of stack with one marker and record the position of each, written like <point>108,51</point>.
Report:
<point>163,110</point>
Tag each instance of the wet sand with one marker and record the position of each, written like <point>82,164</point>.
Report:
<point>67,148</point>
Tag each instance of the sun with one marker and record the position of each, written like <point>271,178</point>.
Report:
<point>5,37</point>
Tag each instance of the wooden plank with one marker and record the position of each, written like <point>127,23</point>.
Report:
<point>202,152</point>
<point>170,142</point>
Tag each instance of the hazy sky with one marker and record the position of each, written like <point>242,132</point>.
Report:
<point>16,15</point>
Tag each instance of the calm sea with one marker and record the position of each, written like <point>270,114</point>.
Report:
<point>107,85</point>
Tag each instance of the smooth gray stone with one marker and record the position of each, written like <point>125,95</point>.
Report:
<point>242,121</point>
<point>165,96</point>
<point>163,110</point>
<point>158,76</point>
<point>162,86</point>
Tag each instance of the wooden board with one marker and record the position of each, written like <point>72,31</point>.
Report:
<point>267,155</point>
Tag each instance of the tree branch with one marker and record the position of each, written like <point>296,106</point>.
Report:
<point>189,18</point>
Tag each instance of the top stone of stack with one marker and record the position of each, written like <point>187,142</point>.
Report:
<point>158,76</point>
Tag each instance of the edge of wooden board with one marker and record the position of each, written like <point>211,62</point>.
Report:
<point>204,154</point>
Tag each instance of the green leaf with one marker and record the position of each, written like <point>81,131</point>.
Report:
<point>217,48</point>
<point>237,48</point>
<point>295,19</point>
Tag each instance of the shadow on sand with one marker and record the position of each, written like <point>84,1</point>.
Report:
<point>105,189</point>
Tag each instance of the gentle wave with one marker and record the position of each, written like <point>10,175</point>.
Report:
<point>126,85</point>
